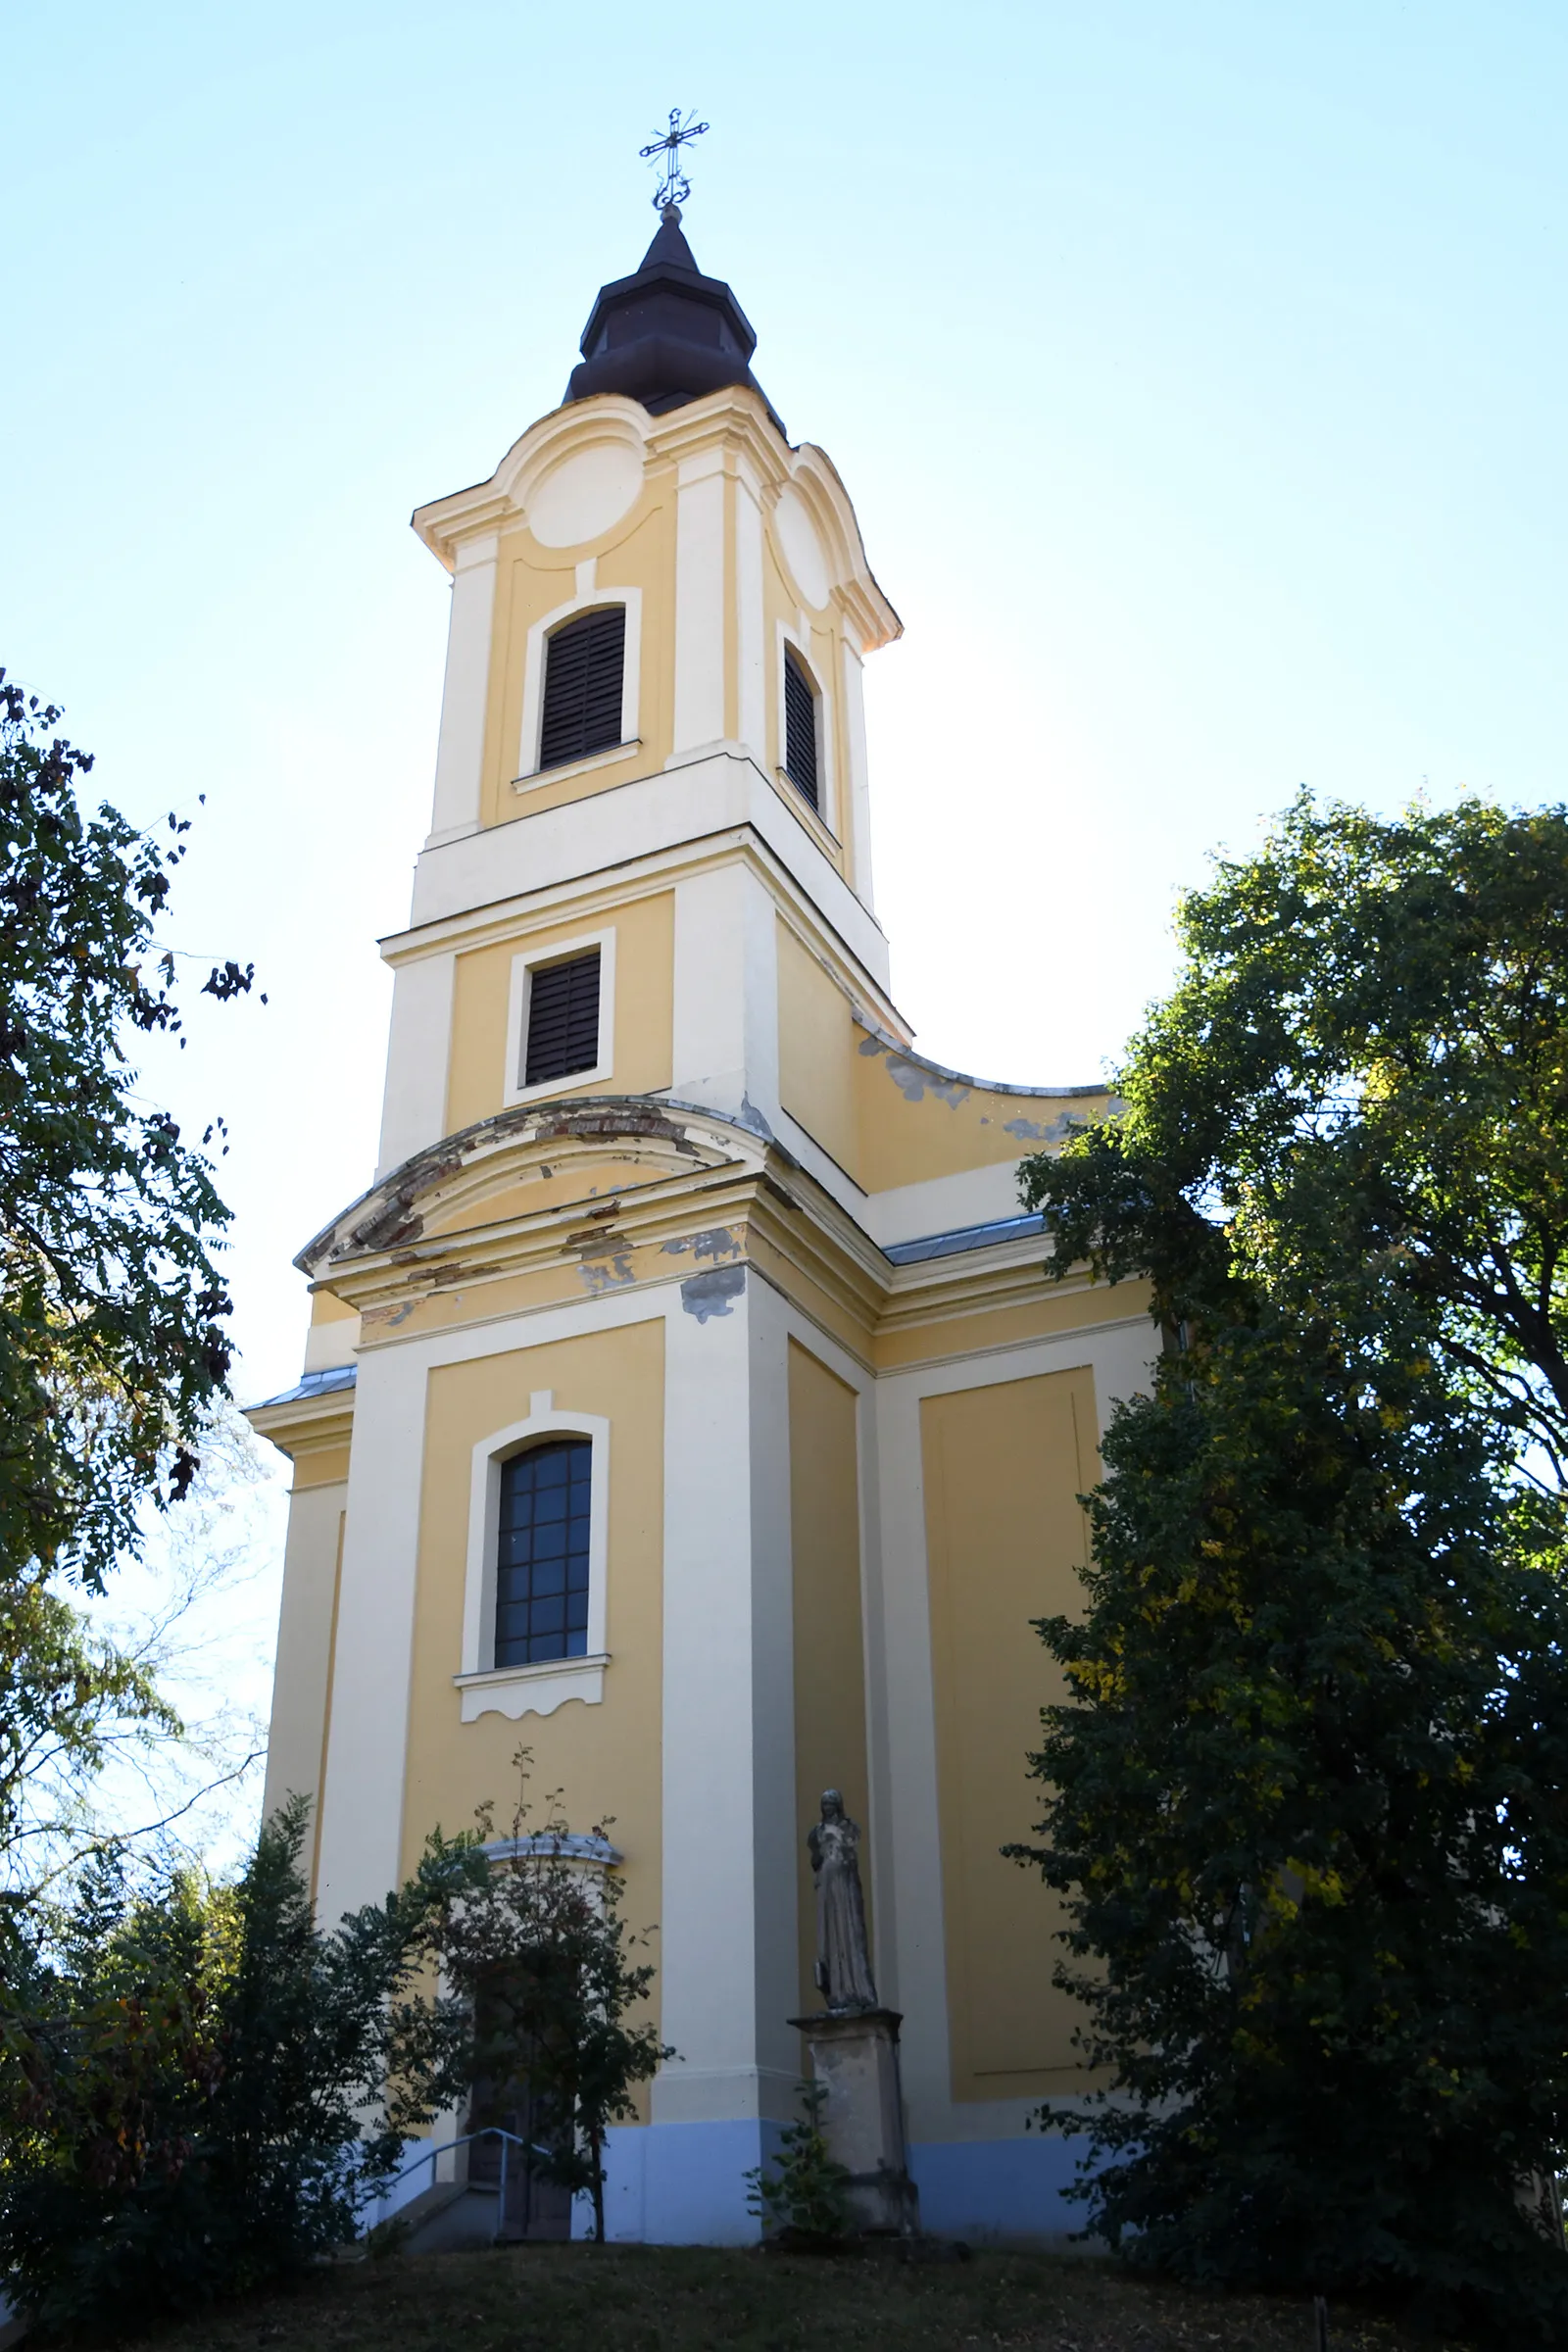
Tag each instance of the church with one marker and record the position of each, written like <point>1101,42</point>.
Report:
<point>684,1400</point>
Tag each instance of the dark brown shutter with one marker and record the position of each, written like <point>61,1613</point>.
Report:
<point>584,664</point>
<point>562,1019</point>
<point>800,729</point>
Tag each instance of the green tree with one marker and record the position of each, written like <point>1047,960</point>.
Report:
<point>200,2088</point>
<point>543,1978</point>
<point>114,1353</point>
<point>66,1695</point>
<point>1307,1796</point>
<point>113,1342</point>
<point>1355,1099</point>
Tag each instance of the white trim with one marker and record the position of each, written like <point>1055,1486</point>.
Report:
<point>908,1212</point>
<point>659,823</point>
<point>459,750</point>
<point>591,1847</point>
<point>727,1944</point>
<point>478,1672</point>
<point>860,794</point>
<point>576,768</point>
<point>533,673</point>
<point>826,810</point>
<point>419,1051</point>
<point>514,1691</point>
<point>750,624</point>
<point>520,992</point>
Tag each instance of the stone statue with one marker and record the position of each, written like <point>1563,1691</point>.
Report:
<point>843,1965</point>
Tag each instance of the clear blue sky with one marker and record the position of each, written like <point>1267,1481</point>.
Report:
<point>1197,369</point>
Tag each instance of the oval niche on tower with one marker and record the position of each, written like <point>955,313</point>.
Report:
<point>584,494</point>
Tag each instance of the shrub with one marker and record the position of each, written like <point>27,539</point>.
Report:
<point>804,2192</point>
<point>194,2080</point>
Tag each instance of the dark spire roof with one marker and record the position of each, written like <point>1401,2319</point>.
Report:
<point>667,334</point>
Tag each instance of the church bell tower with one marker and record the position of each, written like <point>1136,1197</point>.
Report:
<point>683,1399</point>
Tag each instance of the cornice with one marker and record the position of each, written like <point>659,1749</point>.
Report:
<point>385,1228</point>
<point>443,523</point>
<point>307,1424</point>
<point>646,876</point>
<point>819,483</point>
<point>734,417</point>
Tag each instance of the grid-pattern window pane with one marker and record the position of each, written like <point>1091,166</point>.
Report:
<point>584,662</point>
<point>562,1019</point>
<point>542,1563</point>
<point>800,729</point>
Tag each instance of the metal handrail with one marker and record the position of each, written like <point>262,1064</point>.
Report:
<point>508,2139</point>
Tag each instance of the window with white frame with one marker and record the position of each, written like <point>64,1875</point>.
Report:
<point>562,1019</point>
<point>585,662</point>
<point>534,1590</point>
<point>560,1016</point>
<point>580,687</point>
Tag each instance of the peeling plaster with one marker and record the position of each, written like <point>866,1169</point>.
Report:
<point>1037,1131</point>
<point>598,1275</point>
<point>915,1080</point>
<point>719,1242</point>
<point>915,1083</point>
<point>705,1294</point>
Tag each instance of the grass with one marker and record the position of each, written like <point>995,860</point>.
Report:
<point>677,2299</point>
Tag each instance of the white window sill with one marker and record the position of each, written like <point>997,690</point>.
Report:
<point>576,767</point>
<point>514,1690</point>
<point>816,825</point>
<point>574,1083</point>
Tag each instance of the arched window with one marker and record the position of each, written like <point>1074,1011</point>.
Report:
<point>542,1553</point>
<point>800,727</point>
<point>585,664</point>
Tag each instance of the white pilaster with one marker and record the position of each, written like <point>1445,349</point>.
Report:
<point>699,707</point>
<point>859,792</point>
<point>460,754</point>
<point>414,1109</point>
<point>361,1800</point>
<point>750,618</point>
<point>775,1831</point>
<point>726,994</point>
<point>727,1920</point>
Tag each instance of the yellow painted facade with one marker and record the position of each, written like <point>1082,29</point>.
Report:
<point>769,1261</point>
<point>1002,1467</point>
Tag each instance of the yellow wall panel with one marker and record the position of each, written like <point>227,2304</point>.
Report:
<point>915,1124</point>
<point>645,984</point>
<point>829,1653</point>
<point>1007,1542</point>
<point>604,1758</point>
<point>816,1036</point>
<point>532,581</point>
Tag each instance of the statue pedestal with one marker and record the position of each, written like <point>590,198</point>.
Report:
<point>856,2059</point>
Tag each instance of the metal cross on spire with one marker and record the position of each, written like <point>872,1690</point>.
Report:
<point>674,185</point>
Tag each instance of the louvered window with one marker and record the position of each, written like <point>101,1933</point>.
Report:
<point>799,728</point>
<point>562,1019</point>
<point>584,662</point>
<point>542,1559</point>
